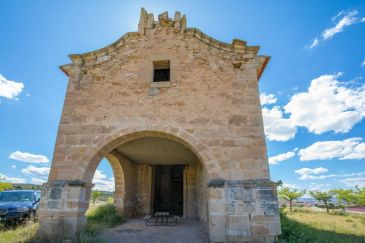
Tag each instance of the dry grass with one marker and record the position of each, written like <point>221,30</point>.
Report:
<point>18,234</point>
<point>353,224</point>
<point>310,225</point>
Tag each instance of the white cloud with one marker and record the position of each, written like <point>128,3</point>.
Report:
<point>340,21</point>
<point>32,170</point>
<point>348,19</point>
<point>99,175</point>
<point>28,157</point>
<point>101,183</point>
<point>277,128</point>
<point>328,105</point>
<point>352,182</point>
<point>363,63</point>
<point>281,157</point>
<point>291,186</point>
<point>11,179</point>
<point>312,174</point>
<point>10,89</point>
<point>38,181</point>
<point>267,99</point>
<point>308,173</point>
<point>314,43</point>
<point>13,167</point>
<point>351,148</point>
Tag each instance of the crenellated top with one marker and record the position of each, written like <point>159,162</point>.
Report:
<point>241,53</point>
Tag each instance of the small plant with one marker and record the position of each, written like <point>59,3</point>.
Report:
<point>104,216</point>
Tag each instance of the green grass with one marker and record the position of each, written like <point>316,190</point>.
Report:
<point>104,216</point>
<point>17,234</point>
<point>306,225</point>
<point>98,218</point>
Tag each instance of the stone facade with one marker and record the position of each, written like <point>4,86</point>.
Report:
<point>209,107</point>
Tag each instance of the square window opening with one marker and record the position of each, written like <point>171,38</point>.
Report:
<point>161,71</point>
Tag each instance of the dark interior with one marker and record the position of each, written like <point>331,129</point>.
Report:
<point>168,189</point>
<point>161,75</point>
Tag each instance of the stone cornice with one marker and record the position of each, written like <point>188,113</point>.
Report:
<point>241,52</point>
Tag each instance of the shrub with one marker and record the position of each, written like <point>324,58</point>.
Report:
<point>103,217</point>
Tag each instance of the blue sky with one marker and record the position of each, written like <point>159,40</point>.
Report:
<point>312,91</point>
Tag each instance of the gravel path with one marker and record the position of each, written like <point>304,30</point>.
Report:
<point>135,231</point>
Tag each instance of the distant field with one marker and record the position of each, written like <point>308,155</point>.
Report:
<point>308,225</point>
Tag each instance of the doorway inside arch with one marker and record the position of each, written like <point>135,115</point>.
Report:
<point>161,175</point>
<point>168,189</point>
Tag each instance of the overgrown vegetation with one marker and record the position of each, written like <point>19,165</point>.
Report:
<point>307,225</point>
<point>104,216</point>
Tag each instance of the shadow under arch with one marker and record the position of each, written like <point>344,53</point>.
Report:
<point>194,196</point>
<point>102,148</point>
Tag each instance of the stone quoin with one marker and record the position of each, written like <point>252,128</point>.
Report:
<point>177,114</point>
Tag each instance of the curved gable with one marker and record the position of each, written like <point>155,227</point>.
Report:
<point>237,51</point>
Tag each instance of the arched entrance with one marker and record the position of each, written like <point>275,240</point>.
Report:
<point>153,170</point>
<point>156,171</point>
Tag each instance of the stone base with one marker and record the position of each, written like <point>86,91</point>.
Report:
<point>239,210</point>
<point>243,211</point>
<point>62,210</point>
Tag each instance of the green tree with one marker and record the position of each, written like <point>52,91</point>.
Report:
<point>290,195</point>
<point>360,196</point>
<point>323,196</point>
<point>279,183</point>
<point>345,195</point>
<point>5,186</point>
<point>95,195</point>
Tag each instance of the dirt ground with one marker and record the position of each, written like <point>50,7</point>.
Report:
<point>135,230</point>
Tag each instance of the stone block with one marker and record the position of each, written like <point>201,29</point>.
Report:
<point>217,228</point>
<point>55,193</point>
<point>217,206</point>
<point>237,193</point>
<point>216,193</point>
<point>239,223</point>
<point>259,230</point>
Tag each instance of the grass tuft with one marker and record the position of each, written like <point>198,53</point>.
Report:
<point>104,216</point>
<point>18,233</point>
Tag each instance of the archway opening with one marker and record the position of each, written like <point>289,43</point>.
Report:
<point>158,174</point>
<point>103,189</point>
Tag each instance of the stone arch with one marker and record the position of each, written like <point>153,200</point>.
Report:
<point>104,146</point>
<point>125,187</point>
<point>119,181</point>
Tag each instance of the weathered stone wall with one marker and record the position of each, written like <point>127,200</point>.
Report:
<point>143,190</point>
<point>63,206</point>
<point>208,97</point>
<point>243,211</point>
